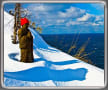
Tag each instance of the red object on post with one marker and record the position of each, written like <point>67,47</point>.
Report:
<point>24,21</point>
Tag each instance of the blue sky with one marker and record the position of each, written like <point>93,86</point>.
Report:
<point>65,18</point>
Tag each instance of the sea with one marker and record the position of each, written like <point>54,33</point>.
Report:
<point>92,44</point>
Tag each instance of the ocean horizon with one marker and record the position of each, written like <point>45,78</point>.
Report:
<point>94,47</point>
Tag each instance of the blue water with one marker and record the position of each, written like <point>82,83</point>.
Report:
<point>65,41</point>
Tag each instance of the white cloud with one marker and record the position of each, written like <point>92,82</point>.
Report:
<point>60,21</point>
<point>95,24</point>
<point>72,23</point>
<point>71,16</point>
<point>91,19</point>
<point>72,12</point>
<point>84,18</point>
<point>99,18</point>
<point>39,7</point>
<point>101,23</point>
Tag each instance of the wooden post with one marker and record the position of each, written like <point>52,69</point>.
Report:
<point>17,25</point>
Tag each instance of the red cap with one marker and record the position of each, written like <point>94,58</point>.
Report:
<point>24,21</point>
